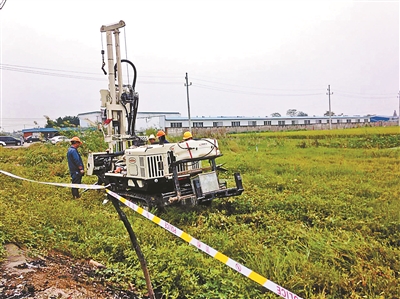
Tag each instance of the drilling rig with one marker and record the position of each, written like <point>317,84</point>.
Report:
<point>155,175</point>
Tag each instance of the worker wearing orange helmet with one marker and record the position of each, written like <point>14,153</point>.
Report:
<point>161,137</point>
<point>75,164</point>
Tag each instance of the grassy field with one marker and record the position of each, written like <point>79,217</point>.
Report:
<point>320,216</point>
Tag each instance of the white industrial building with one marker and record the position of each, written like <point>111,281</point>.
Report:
<point>174,124</point>
<point>147,120</point>
<point>144,120</point>
<point>245,121</point>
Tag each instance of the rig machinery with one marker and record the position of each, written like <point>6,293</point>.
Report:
<point>151,175</point>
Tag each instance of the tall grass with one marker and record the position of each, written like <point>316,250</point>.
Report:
<point>323,221</point>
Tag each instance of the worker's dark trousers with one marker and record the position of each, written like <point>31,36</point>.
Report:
<point>76,179</point>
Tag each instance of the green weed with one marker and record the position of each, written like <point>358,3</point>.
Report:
<point>319,216</point>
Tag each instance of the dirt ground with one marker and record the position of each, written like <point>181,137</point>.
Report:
<point>55,276</point>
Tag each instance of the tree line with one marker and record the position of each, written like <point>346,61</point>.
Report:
<point>295,112</point>
<point>62,122</point>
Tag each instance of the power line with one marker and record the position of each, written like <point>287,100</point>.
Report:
<point>288,92</point>
<point>22,118</point>
<point>59,73</point>
<point>2,3</point>
<point>262,88</point>
<point>38,72</point>
<point>46,69</point>
<point>252,93</point>
<point>169,77</point>
<point>356,95</point>
<point>158,82</point>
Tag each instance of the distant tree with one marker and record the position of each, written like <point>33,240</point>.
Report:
<point>301,113</point>
<point>276,114</point>
<point>327,113</point>
<point>294,112</point>
<point>50,123</point>
<point>66,121</point>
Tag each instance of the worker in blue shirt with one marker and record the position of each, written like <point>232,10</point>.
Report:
<point>75,164</point>
<point>161,137</point>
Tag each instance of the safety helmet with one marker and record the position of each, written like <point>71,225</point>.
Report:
<point>187,135</point>
<point>152,136</point>
<point>160,133</point>
<point>76,140</point>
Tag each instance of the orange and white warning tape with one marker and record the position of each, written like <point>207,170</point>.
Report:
<point>270,285</point>
<point>81,186</point>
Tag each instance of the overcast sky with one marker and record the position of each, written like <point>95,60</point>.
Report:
<point>243,57</point>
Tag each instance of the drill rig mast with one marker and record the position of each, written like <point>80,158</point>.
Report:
<point>120,102</point>
<point>151,175</point>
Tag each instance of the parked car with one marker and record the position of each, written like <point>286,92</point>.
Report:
<point>2,143</point>
<point>9,140</point>
<point>31,139</point>
<point>57,139</point>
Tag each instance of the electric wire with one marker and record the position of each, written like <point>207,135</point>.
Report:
<point>252,87</point>
<point>252,93</point>
<point>2,3</point>
<point>3,65</point>
<point>37,71</point>
<point>359,95</point>
<point>285,92</point>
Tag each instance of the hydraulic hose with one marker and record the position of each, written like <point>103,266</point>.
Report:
<point>134,71</point>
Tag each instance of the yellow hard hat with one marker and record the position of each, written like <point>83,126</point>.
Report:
<point>76,139</point>
<point>187,135</point>
<point>160,133</point>
<point>152,137</point>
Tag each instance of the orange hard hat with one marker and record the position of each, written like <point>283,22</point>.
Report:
<point>187,135</point>
<point>160,133</point>
<point>76,139</point>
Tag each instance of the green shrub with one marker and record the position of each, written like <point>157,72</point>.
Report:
<point>319,216</point>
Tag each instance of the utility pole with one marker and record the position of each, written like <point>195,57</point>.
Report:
<point>187,84</point>
<point>398,111</point>
<point>330,110</point>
